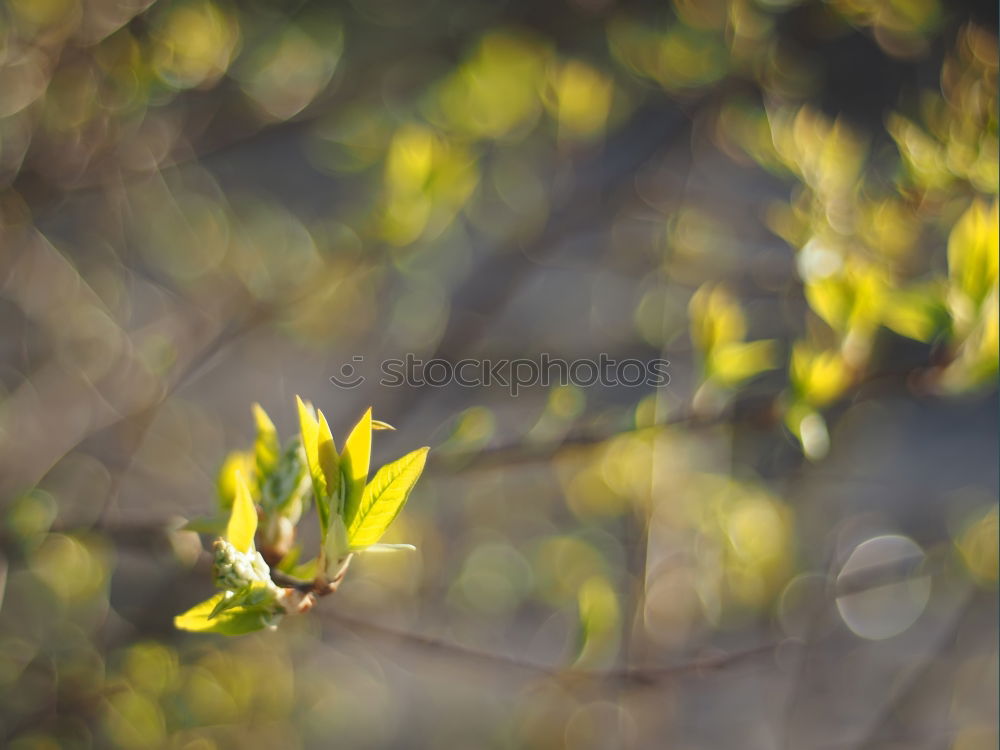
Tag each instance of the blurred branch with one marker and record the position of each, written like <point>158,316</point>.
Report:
<point>624,676</point>
<point>145,536</point>
<point>758,410</point>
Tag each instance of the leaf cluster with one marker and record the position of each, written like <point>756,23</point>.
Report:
<point>263,495</point>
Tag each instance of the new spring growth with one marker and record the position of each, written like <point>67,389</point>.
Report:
<point>266,493</point>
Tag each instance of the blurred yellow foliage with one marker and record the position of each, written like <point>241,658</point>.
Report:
<point>580,99</point>
<point>978,545</point>
<point>600,623</point>
<point>817,376</point>
<point>498,89</point>
<point>679,57</point>
<point>718,328</point>
<point>427,180</point>
<point>974,257</point>
<point>195,42</point>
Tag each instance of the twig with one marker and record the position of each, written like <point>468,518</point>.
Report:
<point>627,676</point>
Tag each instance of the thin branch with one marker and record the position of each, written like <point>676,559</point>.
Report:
<point>757,409</point>
<point>625,676</point>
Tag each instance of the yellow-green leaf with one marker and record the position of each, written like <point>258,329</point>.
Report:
<point>329,464</point>
<point>384,497</point>
<point>974,251</point>
<point>243,518</point>
<point>309,428</point>
<point>267,446</point>
<point>305,571</point>
<point>335,546</point>
<point>237,461</point>
<point>716,318</point>
<point>818,377</point>
<point>831,298</point>
<point>731,364</point>
<point>355,460</point>
<point>378,424</point>
<point>919,312</point>
<point>236,621</point>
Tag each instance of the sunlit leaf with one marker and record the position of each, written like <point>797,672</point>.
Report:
<point>716,318</point>
<point>831,299</point>
<point>733,363</point>
<point>378,424</point>
<point>235,463</point>
<point>919,313</point>
<point>309,429</point>
<point>976,363</point>
<point>384,497</point>
<point>355,461</point>
<point>267,446</point>
<point>329,463</point>
<point>973,251</point>
<point>235,621</point>
<point>256,595</point>
<point>818,377</point>
<point>243,519</point>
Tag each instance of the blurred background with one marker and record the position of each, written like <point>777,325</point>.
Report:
<point>793,544</point>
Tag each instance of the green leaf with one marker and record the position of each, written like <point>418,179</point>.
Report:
<point>731,364</point>
<point>266,447</point>
<point>257,595</point>
<point>309,428</point>
<point>384,497</point>
<point>290,560</point>
<point>818,377</point>
<point>236,621</point>
<point>716,318</point>
<point>335,546</point>
<point>243,519</point>
<point>306,571</point>
<point>356,458</point>
<point>329,464</point>
<point>237,461</point>
<point>920,312</point>
<point>973,251</point>
<point>286,482</point>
